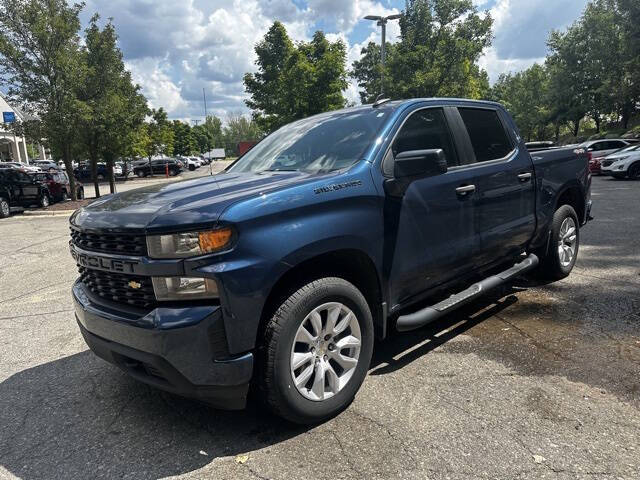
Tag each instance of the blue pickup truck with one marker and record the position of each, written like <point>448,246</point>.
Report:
<point>279,273</point>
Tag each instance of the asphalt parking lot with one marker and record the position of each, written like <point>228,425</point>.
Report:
<point>542,381</point>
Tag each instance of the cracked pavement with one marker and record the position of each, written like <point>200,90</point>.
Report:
<point>538,381</point>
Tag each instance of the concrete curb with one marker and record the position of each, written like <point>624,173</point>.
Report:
<point>45,213</point>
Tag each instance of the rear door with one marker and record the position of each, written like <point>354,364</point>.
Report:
<point>430,237</point>
<point>504,198</point>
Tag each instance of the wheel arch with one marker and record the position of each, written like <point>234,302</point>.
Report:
<point>351,264</point>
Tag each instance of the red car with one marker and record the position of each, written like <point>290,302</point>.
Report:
<point>58,185</point>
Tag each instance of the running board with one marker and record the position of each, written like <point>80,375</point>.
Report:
<point>434,312</point>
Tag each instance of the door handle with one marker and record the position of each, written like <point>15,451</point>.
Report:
<point>465,190</point>
<point>524,177</point>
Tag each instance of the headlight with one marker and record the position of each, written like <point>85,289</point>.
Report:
<point>184,288</point>
<point>191,244</point>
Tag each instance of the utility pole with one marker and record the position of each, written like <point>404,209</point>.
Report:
<point>382,22</point>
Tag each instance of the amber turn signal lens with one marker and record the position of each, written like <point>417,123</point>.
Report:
<point>215,240</point>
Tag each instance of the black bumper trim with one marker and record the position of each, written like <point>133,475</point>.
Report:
<point>158,372</point>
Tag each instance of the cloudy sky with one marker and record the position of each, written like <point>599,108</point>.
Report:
<point>174,49</point>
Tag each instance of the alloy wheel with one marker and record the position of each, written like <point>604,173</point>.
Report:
<point>325,351</point>
<point>567,242</point>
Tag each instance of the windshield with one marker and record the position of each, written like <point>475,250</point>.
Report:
<point>318,144</point>
<point>630,148</point>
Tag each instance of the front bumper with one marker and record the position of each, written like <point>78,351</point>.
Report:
<point>180,350</point>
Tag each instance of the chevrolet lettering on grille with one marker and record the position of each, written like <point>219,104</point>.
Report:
<point>103,263</point>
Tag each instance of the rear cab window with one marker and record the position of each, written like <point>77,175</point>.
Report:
<point>487,134</point>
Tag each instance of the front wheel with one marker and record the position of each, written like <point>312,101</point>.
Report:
<point>317,351</point>
<point>634,171</point>
<point>5,211</point>
<point>562,253</point>
<point>80,195</point>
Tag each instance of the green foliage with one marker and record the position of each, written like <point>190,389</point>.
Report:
<point>437,54</point>
<point>295,81</point>
<point>40,60</point>
<point>240,128</point>
<point>160,134</point>
<point>184,140</point>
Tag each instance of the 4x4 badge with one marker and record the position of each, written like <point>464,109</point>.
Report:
<point>134,284</point>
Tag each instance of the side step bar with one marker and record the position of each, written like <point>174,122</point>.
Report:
<point>434,312</point>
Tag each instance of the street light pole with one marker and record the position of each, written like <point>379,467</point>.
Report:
<point>382,22</point>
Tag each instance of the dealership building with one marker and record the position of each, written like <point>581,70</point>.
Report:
<point>12,147</point>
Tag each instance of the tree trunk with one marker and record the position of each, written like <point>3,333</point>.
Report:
<point>93,158</point>
<point>112,180</point>
<point>557,127</point>
<point>596,118</point>
<point>150,169</point>
<point>68,164</point>
<point>576,127</point>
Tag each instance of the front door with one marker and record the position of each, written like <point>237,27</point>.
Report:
<point>430,236</point>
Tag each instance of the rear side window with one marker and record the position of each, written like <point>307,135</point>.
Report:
<point>488,137</point>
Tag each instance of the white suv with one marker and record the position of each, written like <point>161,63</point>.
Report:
<point>602,148</point>
<point>624,163</point>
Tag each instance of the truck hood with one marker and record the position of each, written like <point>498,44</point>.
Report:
<point>164,207</point>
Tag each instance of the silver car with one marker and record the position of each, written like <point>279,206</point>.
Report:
<point>602,148</point>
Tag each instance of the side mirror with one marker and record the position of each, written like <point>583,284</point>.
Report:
<point>419,163</point>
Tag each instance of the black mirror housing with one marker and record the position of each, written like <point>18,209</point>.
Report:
<point>419,163</point>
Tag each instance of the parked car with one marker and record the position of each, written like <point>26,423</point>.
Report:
<point>595,166</point>
<point>83,171</point>
<point>159,166</point>
<point>602,148</point>
<point>193,163</point>
<point>20,166</point>
<point>58,185</point>
<point>46,165</point>
<point>624,163</point>
<point>18,189</point>
<point>281,276</point>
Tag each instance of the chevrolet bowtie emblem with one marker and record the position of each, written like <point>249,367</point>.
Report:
<point>134,284</point>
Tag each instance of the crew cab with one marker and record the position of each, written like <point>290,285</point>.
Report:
<point>333,230</point>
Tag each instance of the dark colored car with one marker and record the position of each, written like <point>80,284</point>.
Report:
<point>18,189</point>
<point>595,165</point>
<point>158,167</point>
<point>331,231</point>
<point>58,185</point>
<point>83,172</point>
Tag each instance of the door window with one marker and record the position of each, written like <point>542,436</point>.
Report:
<point>487,134</point>
<point>424,130</point>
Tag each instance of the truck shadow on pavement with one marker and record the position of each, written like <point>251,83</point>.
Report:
<point>78,417</point>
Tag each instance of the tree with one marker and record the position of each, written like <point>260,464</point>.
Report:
<point>240,128</point>
<point>184,142</point>
<point>40,60</point>
<point>525,95</point>
<point>440,44</point>
<point>160,135</point>
<point>113,105</point>
<point>295,81</point>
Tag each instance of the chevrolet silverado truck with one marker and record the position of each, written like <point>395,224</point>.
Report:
<point>278,273</point>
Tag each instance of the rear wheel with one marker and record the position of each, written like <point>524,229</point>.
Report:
<point>317,351</point>
<point>634,171</point>
<point>80,195</point>
<point>44,201</point>
<point>100,177</point>
<point>65,196</point>
<point>562,252</point>
<point>5,211</point>
<point>141,174</point>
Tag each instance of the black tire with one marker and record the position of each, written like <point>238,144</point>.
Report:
<point>141,174</point>
<point>275,379</point>
<point>551,266</point>
<point>173,172</point>
<point>634,171</point>
<point>44,200</point>
<point>192,167</point>
<point>5,209</point>
<point>65,196</point>
<point>100,177</point>
<point>80,195</point>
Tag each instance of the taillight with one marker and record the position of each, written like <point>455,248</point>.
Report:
<point>589,156</point>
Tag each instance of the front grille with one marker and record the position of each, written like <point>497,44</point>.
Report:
<point>117,287</point>
<point>120,244</point>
